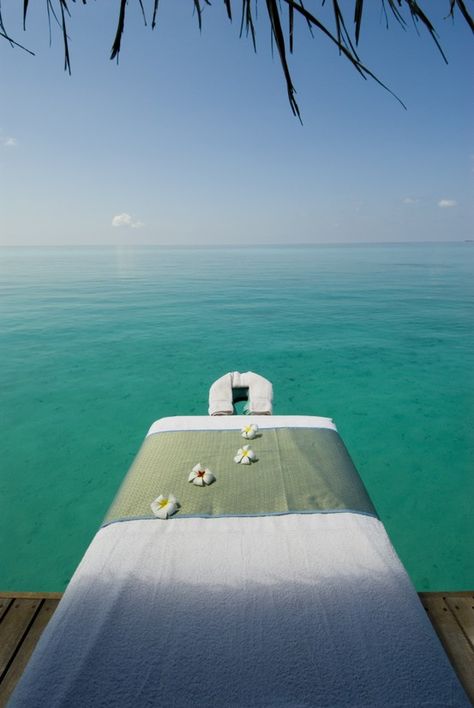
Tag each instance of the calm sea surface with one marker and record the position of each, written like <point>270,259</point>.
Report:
<point>96,343</point>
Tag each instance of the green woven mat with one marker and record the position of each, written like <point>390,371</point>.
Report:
<point>305,470</point>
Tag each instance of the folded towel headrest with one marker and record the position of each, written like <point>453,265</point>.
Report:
<point>232,386</point>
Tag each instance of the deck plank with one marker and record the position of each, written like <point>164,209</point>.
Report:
<point>453,639</point>
<point>32,595</point>
<point>25,651</point>
<point>13,627</point>
<point>4,605</point>
<point>463,609</point>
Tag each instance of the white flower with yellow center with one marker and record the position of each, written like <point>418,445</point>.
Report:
<point>164,506</point>
<point>245,455</point>
<point>249,432</point>
<point>201,476</point>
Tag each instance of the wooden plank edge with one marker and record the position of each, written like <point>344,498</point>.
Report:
<point>58,595</point>
<point>446,593</point>
<point>31,595</point>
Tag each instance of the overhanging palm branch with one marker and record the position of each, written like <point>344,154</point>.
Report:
<point>344,35</point>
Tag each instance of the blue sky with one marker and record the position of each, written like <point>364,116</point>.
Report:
<point>190,139</point>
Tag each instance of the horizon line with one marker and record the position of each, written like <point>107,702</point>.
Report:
<point>253,245</point>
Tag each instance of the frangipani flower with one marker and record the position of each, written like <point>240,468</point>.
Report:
<point>249,431</point>
<point>245,455</point>
<point>201,476</point>
<point>164,506</point>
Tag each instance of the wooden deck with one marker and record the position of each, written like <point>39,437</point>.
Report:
<point>452,616</point>
<point>23,617</point>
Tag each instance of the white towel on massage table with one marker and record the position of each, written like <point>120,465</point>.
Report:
<point>297,610</point>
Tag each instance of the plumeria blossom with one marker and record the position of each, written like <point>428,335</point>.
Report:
<point>245,455</point>
<point>165,506</point>
<point>249,432</point>
<point>201,476</point>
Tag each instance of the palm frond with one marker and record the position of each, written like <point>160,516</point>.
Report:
<point>155,10</point>
<point>65,11</point>
<point>291,19</point>
<point>119,32</point>
<point>341,37</point>
<point>277,34</point>
<point>464,12</point>
<point>25,12</point>
<point>247,22</point>
<point>228,7</point>
<point>358,7</point>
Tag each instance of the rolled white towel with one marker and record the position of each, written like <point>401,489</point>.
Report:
<point>260,393</point>
<point>220,396</point>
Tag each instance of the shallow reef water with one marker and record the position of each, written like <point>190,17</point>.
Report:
<point>97,343</point>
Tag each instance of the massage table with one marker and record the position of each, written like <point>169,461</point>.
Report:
<point>276,585</point>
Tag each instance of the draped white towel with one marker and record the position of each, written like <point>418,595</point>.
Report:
<point>280,611</point>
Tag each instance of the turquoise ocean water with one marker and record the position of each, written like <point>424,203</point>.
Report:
<point>96,343</point>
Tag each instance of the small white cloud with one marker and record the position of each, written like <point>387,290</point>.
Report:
<point>410,200</point>
<point>126,220</point>
<point>9,142</point>
<point>447,203</point>
<point>122,220</point>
